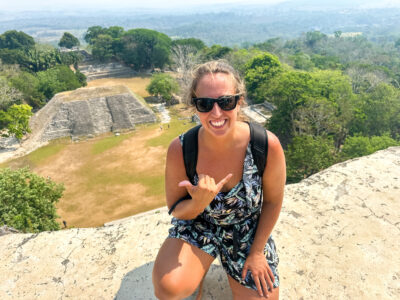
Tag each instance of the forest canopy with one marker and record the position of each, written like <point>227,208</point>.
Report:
<point>337,93</point>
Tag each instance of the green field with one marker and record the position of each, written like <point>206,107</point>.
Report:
<point>107,177</point>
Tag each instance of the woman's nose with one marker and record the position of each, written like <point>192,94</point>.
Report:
<point>216,111</point>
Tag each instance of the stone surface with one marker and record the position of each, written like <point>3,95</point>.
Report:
<point>338,237</point>
<point>101,113</point>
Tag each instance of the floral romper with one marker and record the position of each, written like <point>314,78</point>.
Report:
<point>228,225</point>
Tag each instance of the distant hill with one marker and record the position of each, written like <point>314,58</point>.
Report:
<point>222,24</point>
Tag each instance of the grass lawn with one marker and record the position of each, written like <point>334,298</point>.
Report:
<point>108,177</point>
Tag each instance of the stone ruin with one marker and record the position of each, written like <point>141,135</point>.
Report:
<point>94,71</point>
<point>90,111</point>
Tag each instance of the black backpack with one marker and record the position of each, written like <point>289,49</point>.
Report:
<point>258,144</point>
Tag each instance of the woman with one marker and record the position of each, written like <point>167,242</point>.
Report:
<point>231,203</point>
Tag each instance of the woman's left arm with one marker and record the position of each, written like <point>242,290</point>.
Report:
<point>274,179</point>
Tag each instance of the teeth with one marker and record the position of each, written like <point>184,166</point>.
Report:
<point>217,123</point>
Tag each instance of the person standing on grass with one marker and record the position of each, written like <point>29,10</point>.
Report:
<point>232,210</point>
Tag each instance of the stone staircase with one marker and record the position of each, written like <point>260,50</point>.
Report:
<point>112,69</point>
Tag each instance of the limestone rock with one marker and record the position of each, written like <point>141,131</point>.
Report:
<point>337,237</point>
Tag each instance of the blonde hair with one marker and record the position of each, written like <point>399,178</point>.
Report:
<point>213,67</point>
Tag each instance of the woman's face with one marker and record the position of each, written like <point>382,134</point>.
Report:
<point>217,122</point>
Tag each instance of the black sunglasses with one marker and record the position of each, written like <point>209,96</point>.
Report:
<point>226,103</point>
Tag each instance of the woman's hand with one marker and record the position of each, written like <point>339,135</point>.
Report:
<point>205,190</point>
<point>261,272</point>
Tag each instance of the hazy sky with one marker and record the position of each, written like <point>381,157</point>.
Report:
<point>170,4</point>
<point>54,4</point>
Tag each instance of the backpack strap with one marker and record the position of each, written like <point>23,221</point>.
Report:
<point>190,150</point>
<point>259,146</point>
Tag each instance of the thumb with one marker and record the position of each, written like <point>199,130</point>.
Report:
<point>185,183</point>
<point>188,185</point>
<point>244,271</point>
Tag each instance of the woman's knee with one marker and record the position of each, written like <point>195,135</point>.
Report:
<point>170,287</point>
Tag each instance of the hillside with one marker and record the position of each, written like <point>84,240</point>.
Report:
<point>337,237</point>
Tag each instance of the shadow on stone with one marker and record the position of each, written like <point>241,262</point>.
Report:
<point>137,284</point>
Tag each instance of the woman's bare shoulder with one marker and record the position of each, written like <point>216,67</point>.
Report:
<point>273,142</point>
<point>175,149</point>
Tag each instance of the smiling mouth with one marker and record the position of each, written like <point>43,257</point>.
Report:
<point>218,124</point>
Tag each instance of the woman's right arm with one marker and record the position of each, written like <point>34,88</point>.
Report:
<point>175,173</point>
<point>177,185</point>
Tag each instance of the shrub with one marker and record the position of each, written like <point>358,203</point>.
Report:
<point>27,201</point>
<point>163,85</point>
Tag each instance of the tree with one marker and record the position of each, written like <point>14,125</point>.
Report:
<point>184,58</point>
<point>145,49</point>
<point>313,103</point>
<point>215,52</point>
<point>42,57</point>
<point>163,85</point>
<point>68,41</point>
<point>28,84</point>
<point>92,33</point>
<point>271,45</point>
<point>307,155</point>
<point>326,62</point>
<point>102,49</point>
<point>15,120</point>
<point>115,31</point>
<point>302,61</point>
<point>57,79</point>
<point>381,111</point>
<point>259,72</point>
<point>71,58</point>
<point>313,37</point>
<point>196,44</point>
<point>338,33</point>
<point>27,201</point>
<point>288,91</point>
<point>365,77</point>
<point>8,95</point>
<point>14,56</point>
<point>239,58</point>
<point>357,146</point>
<point>317,117</point>
<point>13,39</point>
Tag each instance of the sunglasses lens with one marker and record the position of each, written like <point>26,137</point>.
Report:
<point>227,102</point>
<point>224,102</point>
<point>204,104</point>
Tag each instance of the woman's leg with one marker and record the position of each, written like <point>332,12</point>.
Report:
<point>178,269</point>
<point>241,292</point>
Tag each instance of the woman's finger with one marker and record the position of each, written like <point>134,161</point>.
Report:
<point>258,285</point>
<point>223,181</point>
<point>264,285</point>
<point>271,276</point>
